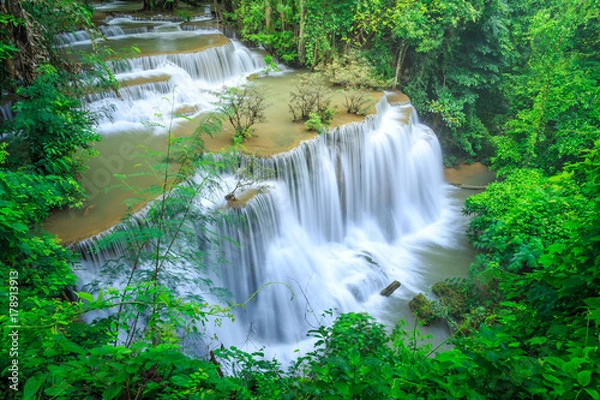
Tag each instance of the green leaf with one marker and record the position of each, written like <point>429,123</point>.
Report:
<point>31,387</point>
<point>552,378</point>
<point>537,340</point>
<point>593,394</point>
<point>181,380</point>
<point>111,392</point>
<point>584,377</point>
<point>71,347</point>
<point>85,296</point>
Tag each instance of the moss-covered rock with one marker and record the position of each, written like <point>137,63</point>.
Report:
<point>461,304</point>
<point>427,311</point>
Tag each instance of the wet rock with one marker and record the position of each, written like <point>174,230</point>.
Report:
<point>391,288</point>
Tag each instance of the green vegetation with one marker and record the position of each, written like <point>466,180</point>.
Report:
<point>519,85</point>
<point>354,73</point>
<point>310,101</point>
<point>243,108</point>
<point>449,56</point>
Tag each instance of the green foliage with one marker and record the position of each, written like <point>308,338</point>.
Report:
<point>460,305</point>
<point>351,70</point>
<point>427,311</point>
<point>554,99</point>
<point>7,48</point>
<point>357,101</point>
<point>61,357</point>
<point>31,29</point>
<point>313,123</point>
<point>271,65</point>
<point>53,132</point>
<point>185,15</point>
<point>270,30</point>
<point>139,347</point>
<point>25,201</point>
<point>516,220</point>
<point>346,360</point>
<point>243,108</point>
<point>541,261</point>
<point>311,95</point>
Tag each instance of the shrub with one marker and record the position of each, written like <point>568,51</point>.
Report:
<point>243,108</point>
<point>311,95</point>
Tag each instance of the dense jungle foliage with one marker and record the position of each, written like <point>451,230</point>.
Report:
<point>513,82</point>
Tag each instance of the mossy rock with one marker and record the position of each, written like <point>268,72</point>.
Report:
<point>458,296</point>
<point>462,302</point>
<point>424,309</point>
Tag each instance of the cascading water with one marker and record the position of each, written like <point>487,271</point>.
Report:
<point>342,219</point>
<point>6,111</point>
<point>196,74</point>
<point>335,226</point>
<point>213,65</point>
<point>108,31</point>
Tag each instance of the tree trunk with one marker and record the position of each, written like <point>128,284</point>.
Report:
<point>31,51</point>
<point>400,63</point>
<point>268,15</point>
<point>282,15</point>
<point>301,44</point>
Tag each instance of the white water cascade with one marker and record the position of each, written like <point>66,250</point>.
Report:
<point>108,31</point>
<point>6,111</point>
<point>345,215</point>
<point>342,220</point>
<point>337,227</point>
<point>149,80</point>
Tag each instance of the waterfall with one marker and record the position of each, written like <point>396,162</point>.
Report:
<point>6,111</point>
<point>333,226</point>
<point>108,31</point>
<point>214,65</point>
<point>72,37</point>
<point>341,219</point>
<point>149,80</point>
<point>225,30</point>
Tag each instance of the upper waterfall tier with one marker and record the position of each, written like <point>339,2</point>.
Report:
<point>183,80</point>
<point>214,65</point>
<point>108,31</point>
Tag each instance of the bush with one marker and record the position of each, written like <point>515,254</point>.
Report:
<point>242,107</point>
<point>311,95</point>
<point>351,70</point>
<point>53,132</point>
<point>357,101</point>
<point>314,123</point>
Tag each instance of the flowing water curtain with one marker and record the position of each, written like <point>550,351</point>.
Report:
<point>146,79</point>
<point>380,177</point>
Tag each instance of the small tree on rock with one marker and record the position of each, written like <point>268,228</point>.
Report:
<point>242,107</point>
<point>311,96</point>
